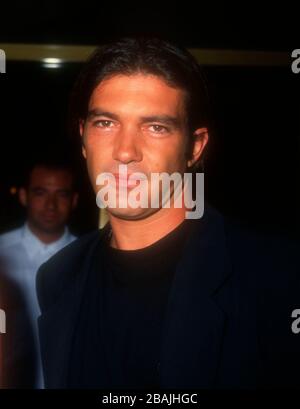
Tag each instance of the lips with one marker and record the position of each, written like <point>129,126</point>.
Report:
<point>129,180</point>
<point>49,215</point>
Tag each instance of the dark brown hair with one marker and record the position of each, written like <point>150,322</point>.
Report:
<point>153,56</point>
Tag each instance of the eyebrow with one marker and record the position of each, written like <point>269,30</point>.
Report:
<point>165,119</point>
<point>98,112</point>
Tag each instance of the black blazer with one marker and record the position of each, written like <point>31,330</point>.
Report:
<point>228,321</point>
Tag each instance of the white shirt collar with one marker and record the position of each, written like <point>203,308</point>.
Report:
<point>33,244</point>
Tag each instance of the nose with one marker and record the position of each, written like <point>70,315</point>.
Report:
<point>127,147</point>
<point>51,202</point>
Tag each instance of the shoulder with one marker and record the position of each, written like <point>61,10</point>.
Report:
<point>54,276</point>
<point>266,271</point>
<point>70,237</point>
<point>248,248</point>
<point>272,258</point>
<point>10,238</point>
<point>266,263</point>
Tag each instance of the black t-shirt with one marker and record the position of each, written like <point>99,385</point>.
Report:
<point>118,336</point>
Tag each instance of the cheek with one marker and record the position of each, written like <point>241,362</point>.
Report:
<point>94,142</point>
<point>37,203</point>
<point>167,158</point>
<point>98,154</point>
<point>64,208</point>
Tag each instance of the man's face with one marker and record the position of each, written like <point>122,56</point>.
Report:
<point>49,199</point>
<point>138,121</point>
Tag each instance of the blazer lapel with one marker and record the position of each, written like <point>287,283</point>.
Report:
<point>194,324</point>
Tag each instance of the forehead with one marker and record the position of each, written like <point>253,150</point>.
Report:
<point>46,177</point>
<point>143,93</point>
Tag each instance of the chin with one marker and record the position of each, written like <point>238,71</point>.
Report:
<point>51,228</point>
<point>131,214</point>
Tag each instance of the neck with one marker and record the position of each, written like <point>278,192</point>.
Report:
<point>45,237</point>
<point>137,234</point>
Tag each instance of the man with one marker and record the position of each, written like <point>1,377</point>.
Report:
<point>49,197</point>
<point>156,299</point>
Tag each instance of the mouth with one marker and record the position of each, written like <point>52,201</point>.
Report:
<point>50,216</point>
<point>129,180</point>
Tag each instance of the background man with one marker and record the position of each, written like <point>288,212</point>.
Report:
<point>49,197</point>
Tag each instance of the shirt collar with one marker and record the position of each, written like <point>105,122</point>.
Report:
<point>33,244</point>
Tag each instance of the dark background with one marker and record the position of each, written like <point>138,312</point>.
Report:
<point>252,169</point>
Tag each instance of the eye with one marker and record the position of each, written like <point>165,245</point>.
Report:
<point>103,123</point>
<point>64,195</point>
<point>39,192</point>
<point>158,128</point>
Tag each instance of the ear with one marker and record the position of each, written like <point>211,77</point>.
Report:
<point>81,131</point>
<point>23,196</point>
<point>74,200</point>
<point>200,137</point>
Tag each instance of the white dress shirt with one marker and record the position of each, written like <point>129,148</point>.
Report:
<point>22,253</point>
